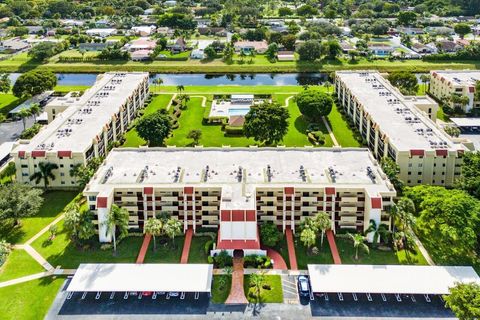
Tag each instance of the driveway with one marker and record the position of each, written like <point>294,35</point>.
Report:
<point>10,131</point>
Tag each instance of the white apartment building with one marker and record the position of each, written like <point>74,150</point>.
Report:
<point>462,82</point>
<point>233,189</point>
<point>83,127</point>
<point>399,127</point>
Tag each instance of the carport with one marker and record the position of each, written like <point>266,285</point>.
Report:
<point>141,280</point>
<point>394,280</point>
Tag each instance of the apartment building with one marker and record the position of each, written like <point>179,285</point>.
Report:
<point>83,128</point>
<point>445,83</point>
<point>399,127</point>
<point>233,189</point>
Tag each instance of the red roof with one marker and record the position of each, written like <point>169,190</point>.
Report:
<point>238,244</point>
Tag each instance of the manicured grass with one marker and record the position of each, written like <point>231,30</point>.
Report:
<point>19,263</point>
<point>442,116</point>
<point>260,89</point>
<point>62,252</point>
<point>65,88</point>
<point>221,288</point>
<point>212,135</point>
<point>74,53</point>
<point>29,300</point>
<point>282,248</point>
<point>197,250</point>
<point>8,102</point>
<point>158,102</point>
<point>272,295</point>
<point>53,205</point>
<point>304,257</point>
<point>341,130</point>
<point>166,252</point>
<point>376,256</point>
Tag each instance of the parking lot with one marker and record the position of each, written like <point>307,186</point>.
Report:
<point>380,306</point>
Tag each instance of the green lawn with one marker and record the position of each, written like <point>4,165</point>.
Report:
<point>166,253</point>
<point>8,102</point>
<point>53,205</point>
<point>341,130</point>
<point>304,257</point>
<point>158,102</point>
<point>274,293</point>
<point>19,263</point>
<point>221,288</point>
<point>29,300</point>
<point>376,256</point>
<point>233,89</point>
<point>61,252</point>
<point>68,88</point>
<point>282,248</point>
<point>197,250</point>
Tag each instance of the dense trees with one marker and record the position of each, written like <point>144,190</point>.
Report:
<point>405,81</point>
<point>83,174</point>
<point>269,234</point>
<point>392,170</point>
<point>117,221</point>
<point>310,50</point>
<point>464,300</point>
<point>462,29</point>
<point>45,50</point>
<point>78,223</point>
<point>470,179</point>
<point>34,82</point>
<point>155,128</point>
<point>266,123</point>
<point>18,201</point>
<point>314,104</point>
<point>177,21</point>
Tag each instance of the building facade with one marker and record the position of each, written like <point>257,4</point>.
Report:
<point>399,127</point>
<point>463,83</point>
<point>82,127</point>
<point>232,190</point>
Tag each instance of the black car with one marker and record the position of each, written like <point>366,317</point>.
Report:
<point>303,286</point>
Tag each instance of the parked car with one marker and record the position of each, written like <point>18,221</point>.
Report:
<point>303,286</point>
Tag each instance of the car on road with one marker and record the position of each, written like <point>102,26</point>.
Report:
<point>303,286</point>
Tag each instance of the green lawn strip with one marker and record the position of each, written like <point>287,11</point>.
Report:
<point>442,116</point>
<point>62,252</point>
<point>29,300</point>
<point>197,250</point>
<point>53,205</point>
<point>19,263</point>
<point>221,288</point>
<point>8,102</point>
<point>282,248</point>
<point>166,252</point>
<point>376,256</point>
<point>341,130</point>
<point>231,89</point>
<point>68,88</point>
<point>304,257</point>
<point>272,295</point>
<point>212,135</point>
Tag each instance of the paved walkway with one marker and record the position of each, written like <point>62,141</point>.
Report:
<point>204,100</point>
<point>144,248</point>
<point>186,245</point>
<point>237,294</point>
<point>330,132</point>
<point>333,247</point>
<point>423,251</point>
<point>171,100</point>
<point>278,261</point>
<point>25,279</point>
<point>41,232</point>
<point>291,249</point>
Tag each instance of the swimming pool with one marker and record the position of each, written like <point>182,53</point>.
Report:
<point>238,111</point>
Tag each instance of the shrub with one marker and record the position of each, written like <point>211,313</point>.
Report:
<point>208,246</point>
<point>5,249</point>
<point>223,259</point>
<point>269,234</point>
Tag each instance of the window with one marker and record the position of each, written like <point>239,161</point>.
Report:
<point>24,174</point>
<point>62,174</point>
<point>61,166</point>
<point>92,198</point>
<point>63,182</point>
<point>24,166</point>
<point>419,181</point>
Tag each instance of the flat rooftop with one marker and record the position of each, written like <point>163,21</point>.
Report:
<point>75,128</point>
<point>397,116</point>
<point>238,171</point>
<point>459,77</point>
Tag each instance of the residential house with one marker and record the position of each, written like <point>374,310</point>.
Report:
<point>13,45</point>
<point>448,46</point>
<point>286,56</point>
<point>381,49</point>
<point>180,45</point>
<point>143,31</point>
<point>422,48</point>
<point>251,46</point>
<point>346,47</point>
<point>165,31</point>
<point>101,32</point>
<point>197,54</point>
<point>141,55</point>
<point>140,44</point>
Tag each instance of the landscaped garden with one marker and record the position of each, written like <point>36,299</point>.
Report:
<point>260,288</point>
<point>198,254</point>
<point>221,288</point>
<point>166,252</point>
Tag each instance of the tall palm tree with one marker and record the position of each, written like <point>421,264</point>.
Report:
<point>358,242</point>
<point>154,227</point>
<point>308,237</point>
<point>24,114</point>
<point>172,227</point>
<point>180,88</point>
<point>379,231</point>
<point>35,110</point>
<point>117,218</point>
<point>425,78</point>
<point>322,220</point>
<point>44,173</point>
<point>157,82</point>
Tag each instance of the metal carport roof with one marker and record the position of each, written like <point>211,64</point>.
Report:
<point>399,279</point>
<point>124,277</point>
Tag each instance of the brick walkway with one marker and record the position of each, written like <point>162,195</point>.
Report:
<point>237,294</point>
<point>144,248</point>
<point>186,245</point>
<point>333,247</point>
<point>278,261</point>
<point>291,249</point>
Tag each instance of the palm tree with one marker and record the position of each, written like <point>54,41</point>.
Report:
<point>180,88</point>
<point>322,220</point>
<point>24,114</point>
<point>358,242</point>
<point>308,237</point>
<point>257,280</point>
<point>44,173</point>
<point>379,231</point>
<point>172,227</point>
<point>157,82</point>
<point>154,227</point>
<point>117,218</point>
<point>35,110</point>
<point>425,78</point>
